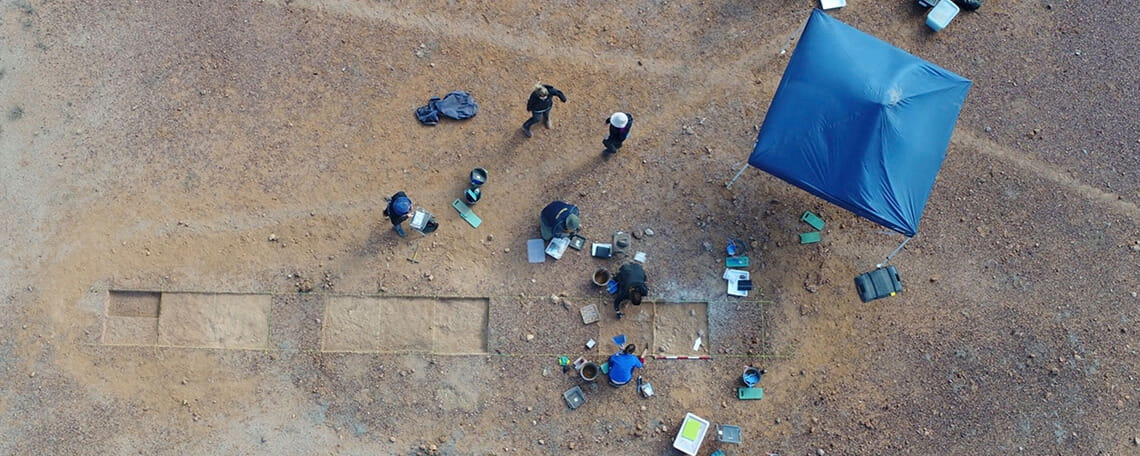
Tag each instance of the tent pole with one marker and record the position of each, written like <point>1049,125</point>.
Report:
<point>733,181</point>
<point>895,252</point>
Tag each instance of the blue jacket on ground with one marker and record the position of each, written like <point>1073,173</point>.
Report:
<point>622,366</point>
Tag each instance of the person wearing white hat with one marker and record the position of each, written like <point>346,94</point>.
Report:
<point>620,123</point>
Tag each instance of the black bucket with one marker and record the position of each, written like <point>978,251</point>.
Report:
<point>478,177</point>
<point>472,195</point>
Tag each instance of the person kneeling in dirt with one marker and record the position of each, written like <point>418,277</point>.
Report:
<point>622,365</point>
<point>631,286</point>
<point>399,206</point>
<point>559,219</point>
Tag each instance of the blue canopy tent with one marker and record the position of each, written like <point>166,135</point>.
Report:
<point>860,123</point>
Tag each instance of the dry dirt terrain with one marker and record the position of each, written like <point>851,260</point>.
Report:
<point>195,262</point>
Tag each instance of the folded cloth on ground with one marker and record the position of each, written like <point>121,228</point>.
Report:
<point>456,105</point>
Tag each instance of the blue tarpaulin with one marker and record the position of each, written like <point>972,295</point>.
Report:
<point>860,123</point>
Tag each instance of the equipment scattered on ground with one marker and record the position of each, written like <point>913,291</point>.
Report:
<point>639,257</point>
<point>534,251</point>
<point>414,253</point>
<point>622,242</point>
<point>574,397</point>
<point>736,247</point>
<point>813,220</point>
<point>751,376</point>
<point>612,286</point>
<point>478,177</point>
<point>601,250</point>
<point>831,4</point>
<point>810,237</point>
<point>588,372</point>
<point>619,340</point>
<point>602,276</point>
<point>734,278</point>
<point>880,283</point>
<point>423,222</point>
<point>737,262</point>
<point>645,388</point>
<point>577,242</point>
<point>590,344</point>
<point>557,247</point>
<point>691,434</point>
<point>468,215</point>
<point>941,14</point>
<point>474,193</point>
<point>728,433</point>
<point>590,314</point>
<point>750,394</point>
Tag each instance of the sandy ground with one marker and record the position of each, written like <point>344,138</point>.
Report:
<point>174,174</point>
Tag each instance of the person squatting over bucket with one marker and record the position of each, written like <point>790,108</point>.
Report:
<point>631,286</point>
<point>622,365</point>
<point>539,104</point>
<point>620,123</point>
<point>559,219</point>
<point>399,206</point>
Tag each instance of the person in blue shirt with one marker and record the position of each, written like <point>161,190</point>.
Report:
<point>559,219</point>
<point>622,365</point>
<point>399,206</point>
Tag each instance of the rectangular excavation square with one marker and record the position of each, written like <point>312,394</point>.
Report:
<point>294,321</point>
<point>130,331</point>
<point>133,303</point>
<point>527,325</point>
<point>678,325</point>
<point>214,320</point>
<point>637,325</point>
<point>378,324</point>
<point>460,326</point>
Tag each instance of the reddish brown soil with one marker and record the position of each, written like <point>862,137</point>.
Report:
<point>159,146</point>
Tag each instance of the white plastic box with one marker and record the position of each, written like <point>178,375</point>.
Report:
<point>940,16</point>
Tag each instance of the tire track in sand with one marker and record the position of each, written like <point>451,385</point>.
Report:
<point>543,46</point>
<point>1047,172</point>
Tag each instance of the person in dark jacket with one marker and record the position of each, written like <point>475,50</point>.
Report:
<point>620,124</point>
<point>540,102</point>
<point>399,206</point>
<point>631,286</point>
<point>559,219</point>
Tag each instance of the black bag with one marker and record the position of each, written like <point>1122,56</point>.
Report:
<point>879,283</point>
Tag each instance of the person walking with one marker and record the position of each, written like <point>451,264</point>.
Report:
<point>620,123</point>
<point>559,219</point>
<point>622,365</point>
<point>539,104</point>
<point>631,286</point>
<point>399,206</point>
